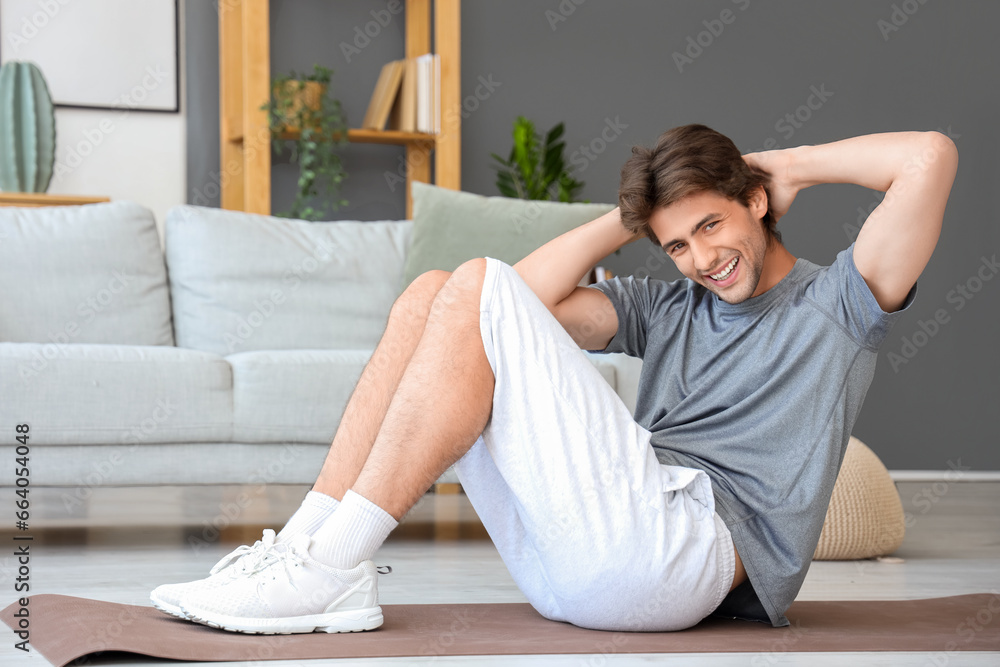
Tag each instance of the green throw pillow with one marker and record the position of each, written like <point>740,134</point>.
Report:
<point>451,227</point>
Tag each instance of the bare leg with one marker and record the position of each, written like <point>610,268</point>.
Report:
<point>442,403</point>
<point>421,403</point>
<point>370,400</point>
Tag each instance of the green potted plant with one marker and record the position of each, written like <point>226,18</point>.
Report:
<point>536,169</point>
<point>305,119</point>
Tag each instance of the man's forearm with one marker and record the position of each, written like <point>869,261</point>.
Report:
<point>873,161</point>
<point>914,169</point>
<point>555,269</point>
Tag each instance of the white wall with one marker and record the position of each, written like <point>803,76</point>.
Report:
<point>123,154</point>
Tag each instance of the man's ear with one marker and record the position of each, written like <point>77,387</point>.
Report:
<point>758,202</point>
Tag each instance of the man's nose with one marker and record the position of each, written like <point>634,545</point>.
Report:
<point>704,257</point>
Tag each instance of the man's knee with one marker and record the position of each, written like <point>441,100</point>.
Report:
<point>470,274</point>
<point>464,286</point>
<point>428,282</point>
<point>416,299</point>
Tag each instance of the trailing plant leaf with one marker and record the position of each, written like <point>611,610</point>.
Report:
<point>321,127</point>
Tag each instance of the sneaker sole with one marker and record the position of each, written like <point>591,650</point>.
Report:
<point>354,620</point>
<point>168,608</point>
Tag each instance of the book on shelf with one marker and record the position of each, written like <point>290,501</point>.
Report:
<point>423,90</point>
<point>428,91</point>
<point>403,115</point>
<point>386,91</point>
<point>436,95</point>
<point>406,96</point>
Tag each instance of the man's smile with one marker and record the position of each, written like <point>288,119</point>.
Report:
<point>727,275</point>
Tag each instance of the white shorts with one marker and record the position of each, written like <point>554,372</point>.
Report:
<point>594,530</point>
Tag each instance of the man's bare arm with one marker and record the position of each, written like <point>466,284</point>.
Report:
<point>554,271</point>
<point>914,169</point>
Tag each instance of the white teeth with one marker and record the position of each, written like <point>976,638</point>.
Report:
<point>721,275</point>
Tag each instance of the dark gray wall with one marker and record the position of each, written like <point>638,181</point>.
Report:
<point>201,91</point>
<point>307,32</point>
<point>601,62</point>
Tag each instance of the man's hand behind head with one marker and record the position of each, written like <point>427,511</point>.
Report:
<point>776,165</point>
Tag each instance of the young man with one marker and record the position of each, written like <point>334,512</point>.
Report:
<point>711,499</point>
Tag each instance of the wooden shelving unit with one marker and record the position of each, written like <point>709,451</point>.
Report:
<point>244,78</point>
<point>378,137</point>
<point>42,199</point>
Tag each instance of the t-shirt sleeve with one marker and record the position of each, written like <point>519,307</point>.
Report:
<point>638,304</point>
<point>844,294</point>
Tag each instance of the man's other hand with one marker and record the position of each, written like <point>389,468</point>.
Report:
<point>776,165</point>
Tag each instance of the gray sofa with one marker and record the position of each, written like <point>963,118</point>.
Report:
<point>225,357</point>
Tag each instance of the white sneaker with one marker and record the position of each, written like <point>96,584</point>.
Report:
<point>291,593</point>
<point>241,561</point>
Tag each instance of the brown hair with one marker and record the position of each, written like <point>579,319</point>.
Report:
<point>685,161</point>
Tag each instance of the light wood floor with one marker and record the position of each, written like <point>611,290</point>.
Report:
<point>119,543</point>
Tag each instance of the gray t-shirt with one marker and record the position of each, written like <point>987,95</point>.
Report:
<point>761,395</point>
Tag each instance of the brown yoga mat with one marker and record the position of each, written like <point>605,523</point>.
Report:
<point>63,628</point>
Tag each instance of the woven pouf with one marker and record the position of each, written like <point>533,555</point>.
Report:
<point>865,517</point>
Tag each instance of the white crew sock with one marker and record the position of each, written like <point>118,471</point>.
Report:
<point>353,533</point>
<point>314,510</point>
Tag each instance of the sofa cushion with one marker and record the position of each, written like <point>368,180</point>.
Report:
<point>451,227</point>
<point>81,468</point>
<point>300,395</point>
<point>83,274</point>
<point>292,395</point>
<point>115,394</point>
<point>242,282</point>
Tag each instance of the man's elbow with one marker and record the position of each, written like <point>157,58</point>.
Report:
<point>938,151</point>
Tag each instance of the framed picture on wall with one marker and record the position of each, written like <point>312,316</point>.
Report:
<point>98,54</point>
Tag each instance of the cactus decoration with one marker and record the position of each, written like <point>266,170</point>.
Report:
<point>27,129</point>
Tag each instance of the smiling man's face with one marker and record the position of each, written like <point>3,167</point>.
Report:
<point>716,242</point>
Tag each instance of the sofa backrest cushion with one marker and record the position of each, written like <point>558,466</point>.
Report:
<point>83,274</point>
<point>241,282</point>
<point>451,227</point>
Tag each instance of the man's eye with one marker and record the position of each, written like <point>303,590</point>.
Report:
<point>711,224</point>
<point>676,247</point>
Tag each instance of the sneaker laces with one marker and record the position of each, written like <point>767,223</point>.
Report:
<point>250,558</point>
<point>296,554</point>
